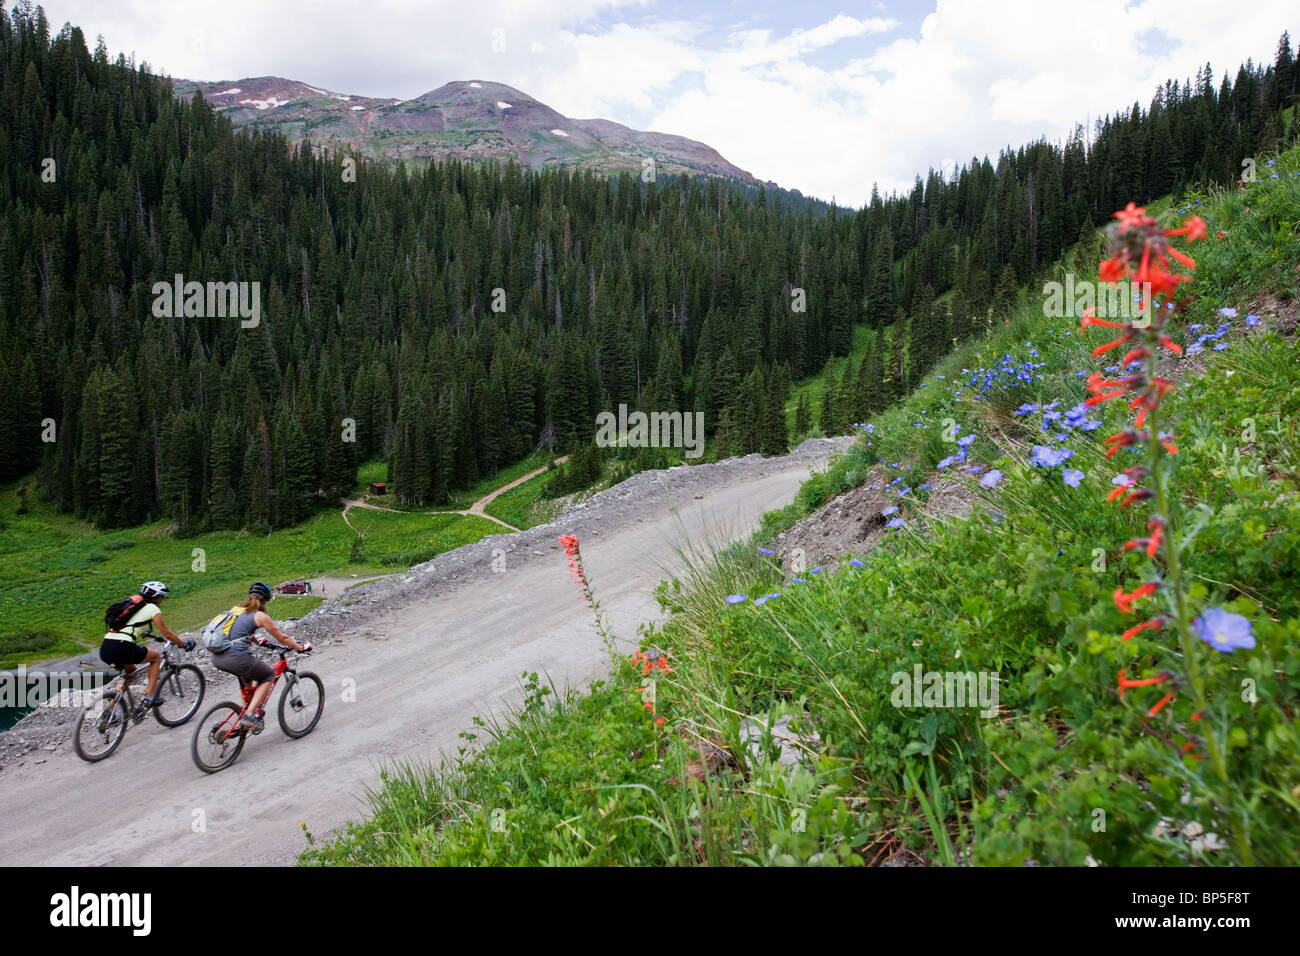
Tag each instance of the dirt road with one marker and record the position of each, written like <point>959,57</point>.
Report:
<point>423,660</point>
<point>478,508</point>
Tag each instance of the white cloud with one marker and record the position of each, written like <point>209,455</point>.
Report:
<point>981,74</point>
<point>977,75</point>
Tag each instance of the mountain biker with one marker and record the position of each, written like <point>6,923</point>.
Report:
<point>239,659</point>
<point>121,648</point>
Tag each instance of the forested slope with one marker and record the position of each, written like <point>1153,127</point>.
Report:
<point>449,320</point>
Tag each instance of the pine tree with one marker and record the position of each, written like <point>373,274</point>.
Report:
<point>829,422</point>
<point>1004,297</point>
<point>870,386</point>
<point>802,416</point>
<point>299,492</point>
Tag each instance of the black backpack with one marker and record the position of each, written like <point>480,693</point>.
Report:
<point>118,614</point>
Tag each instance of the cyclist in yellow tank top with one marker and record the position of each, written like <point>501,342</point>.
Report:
<point>121,648</point>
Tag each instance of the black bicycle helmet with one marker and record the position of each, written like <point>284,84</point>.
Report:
<point>260,590</point>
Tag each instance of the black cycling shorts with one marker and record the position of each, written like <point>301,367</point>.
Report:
<point>247,667</point>
<point>121,653</point>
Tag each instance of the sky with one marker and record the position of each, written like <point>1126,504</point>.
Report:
<point>824,97</point>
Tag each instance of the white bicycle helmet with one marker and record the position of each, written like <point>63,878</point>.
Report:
<point>153,590</point>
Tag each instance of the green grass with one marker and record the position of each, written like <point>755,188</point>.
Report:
<point>460,498</point>
<point>1068,772</point>
<point>524,506</point>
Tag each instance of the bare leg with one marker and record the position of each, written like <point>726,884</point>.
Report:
<point>155,665</point>
<point>259,696</point>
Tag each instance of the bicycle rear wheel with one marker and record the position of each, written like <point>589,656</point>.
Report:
<point>100,728</point>
<point>179,695</point>
<point>301,703</point>
<point>215,745</point>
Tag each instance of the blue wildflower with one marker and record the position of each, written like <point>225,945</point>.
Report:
<point>1223,630</point>
<point>1072,477</point>
<point>991,479</point>
<point>737,598</point>
<point>1046,457</point>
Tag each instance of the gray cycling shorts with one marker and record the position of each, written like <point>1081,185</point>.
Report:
<point>244,666</point>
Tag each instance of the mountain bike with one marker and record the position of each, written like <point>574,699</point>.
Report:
<point>218,739</point>
<point>102,724</point>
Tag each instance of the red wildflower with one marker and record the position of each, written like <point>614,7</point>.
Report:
<point>1125,601</point>
<point>1157,528</point>
<point>1112,270</point>
<point>1130,216</point>
<point>1103,349</point>
<point>1123,440</point>
<point>1155,624</point>
<point>1159,706</point>
<point>1193,228</point>
<point>1090,319</point>
<point>1125,683</point>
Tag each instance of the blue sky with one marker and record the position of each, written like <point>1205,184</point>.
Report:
<point>825,97</point>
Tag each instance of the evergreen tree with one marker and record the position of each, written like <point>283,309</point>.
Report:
<point>802,416</point>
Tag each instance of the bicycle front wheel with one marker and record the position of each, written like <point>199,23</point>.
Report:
<point>100,728</point>
<point>179,695</point>
<point>301,704</point>
<point>216,742</point>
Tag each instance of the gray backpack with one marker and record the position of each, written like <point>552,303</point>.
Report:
<point>216,635</point>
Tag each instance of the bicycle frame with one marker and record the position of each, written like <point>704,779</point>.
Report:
<point>126,678</point>
<point>246,690</point>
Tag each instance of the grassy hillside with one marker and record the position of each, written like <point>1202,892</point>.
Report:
<point>60,573</point>
<point>1066,770</point>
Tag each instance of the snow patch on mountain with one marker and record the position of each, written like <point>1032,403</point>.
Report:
<point>503,106</point>
<point>229,92</point>
<point>266,104</point>
<point>559,132</point>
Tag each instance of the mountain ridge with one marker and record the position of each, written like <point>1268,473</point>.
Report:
<point>464,119</point>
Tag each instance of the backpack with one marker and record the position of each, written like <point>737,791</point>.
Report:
<point>216,635</point>
<point>118,614</point>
